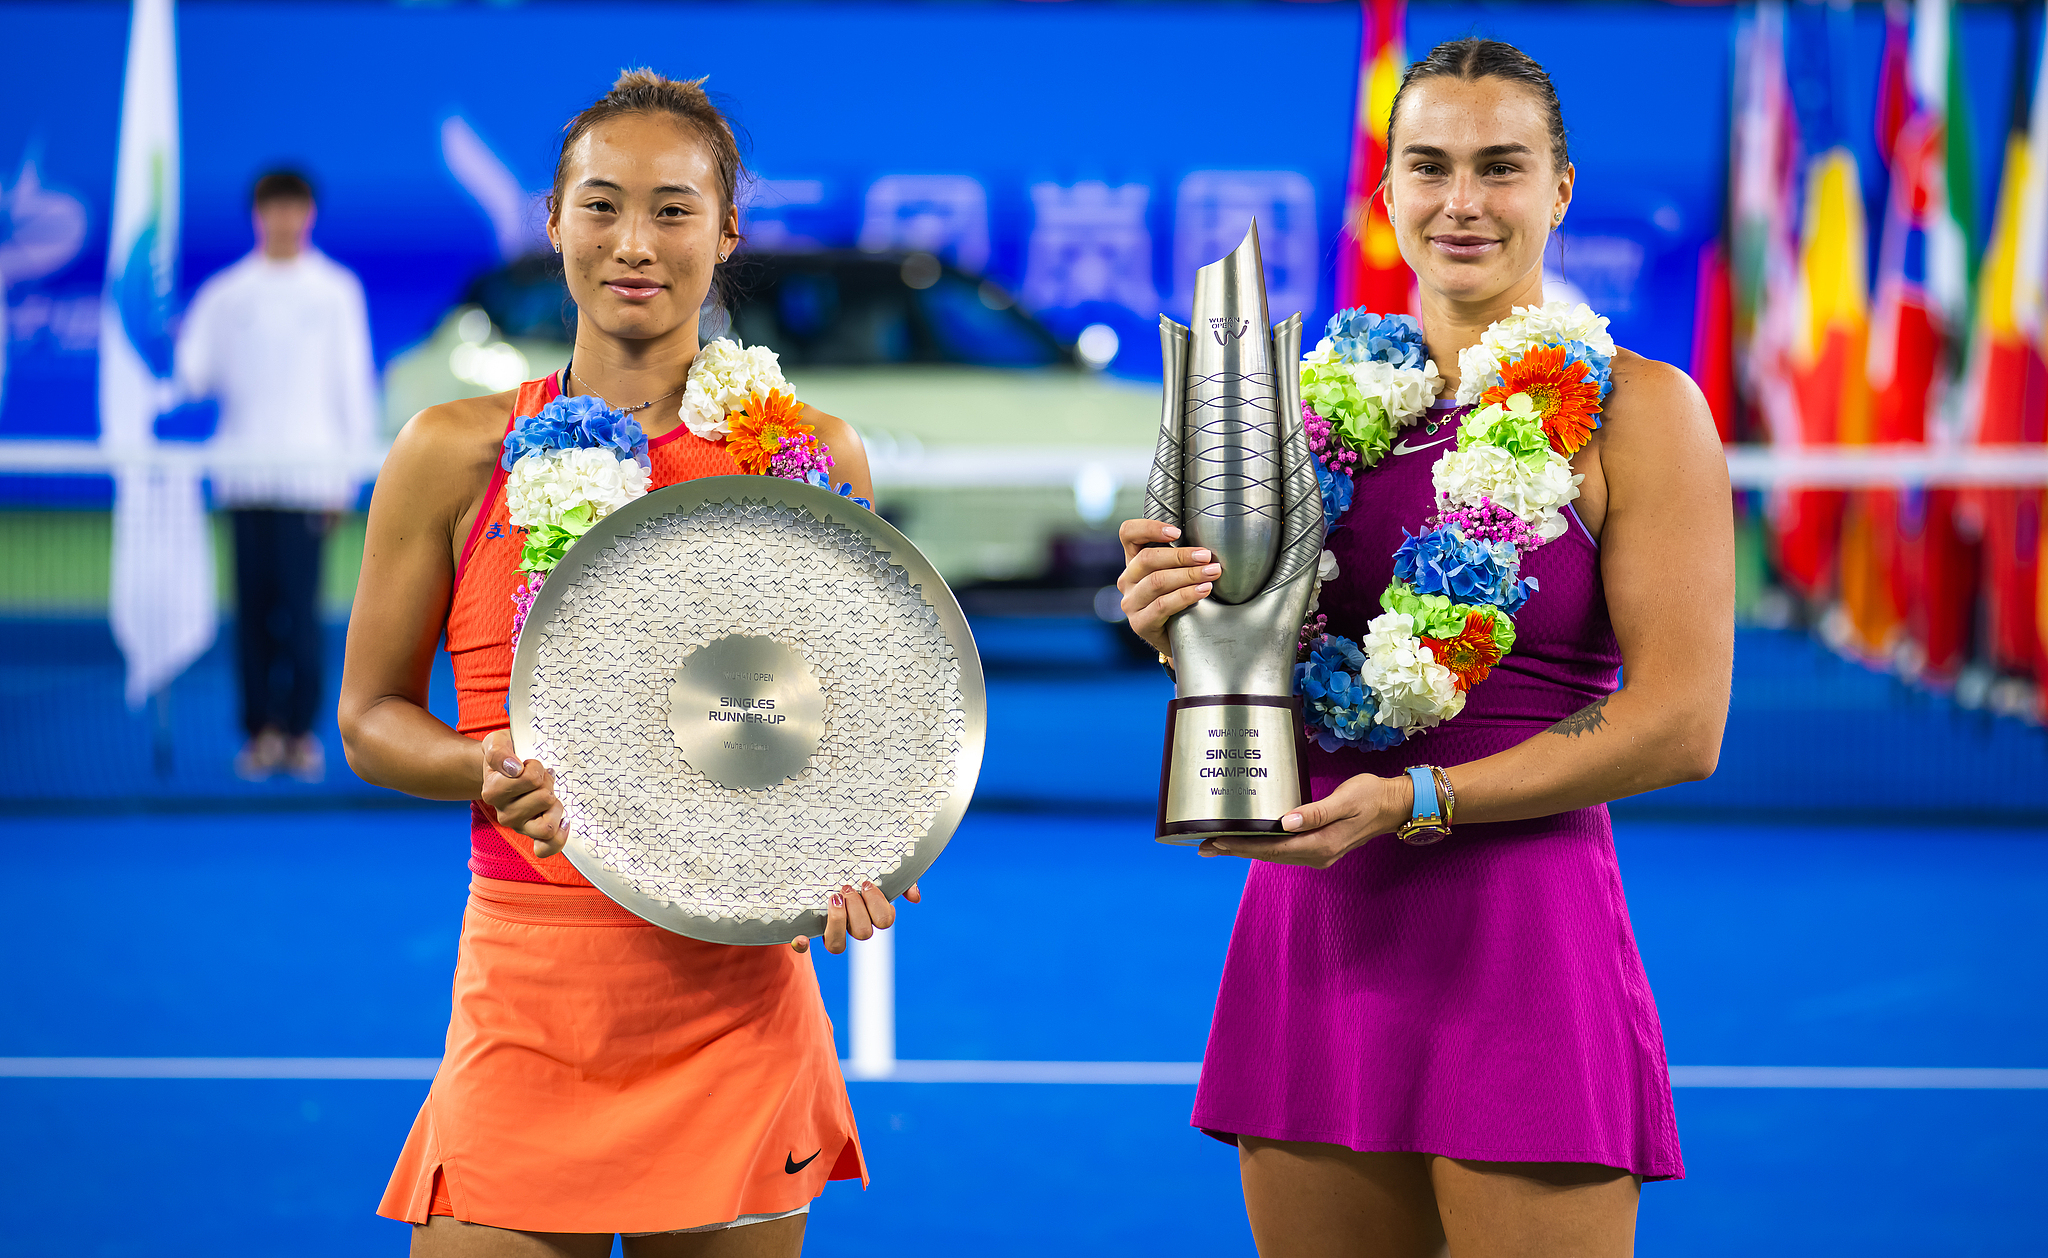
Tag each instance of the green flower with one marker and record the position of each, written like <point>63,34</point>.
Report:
<point>1361,422</point>
<point>1514,426</point>
<point>1436,616</point>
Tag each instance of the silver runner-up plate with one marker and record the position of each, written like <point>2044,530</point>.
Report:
<point>752,692</point>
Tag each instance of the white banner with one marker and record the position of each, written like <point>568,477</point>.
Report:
<point>161,604</point>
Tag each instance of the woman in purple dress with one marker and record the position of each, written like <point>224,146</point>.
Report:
<point>1453,1047</point>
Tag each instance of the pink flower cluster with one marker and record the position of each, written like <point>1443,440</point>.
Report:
<point>522,603</point>
<point>1490,522</point>
<point>1311,629</point>
<point>799,456</point>
<point>1322,439</point>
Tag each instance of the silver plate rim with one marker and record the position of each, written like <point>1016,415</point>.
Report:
<point>830,508</point>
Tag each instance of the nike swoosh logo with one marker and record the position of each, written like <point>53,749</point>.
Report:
<point>791,1166</point>
<point>1402,446</point>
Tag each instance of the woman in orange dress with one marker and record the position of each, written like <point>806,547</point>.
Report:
<point>602,1075</point>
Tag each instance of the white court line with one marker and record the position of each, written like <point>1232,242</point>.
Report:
<point>1185,1072</point>
<point>1126,1072</point>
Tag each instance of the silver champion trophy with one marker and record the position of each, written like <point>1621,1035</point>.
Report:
<point>751,692</point>
<point>1232,470</point>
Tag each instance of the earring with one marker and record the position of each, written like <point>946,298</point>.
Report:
<point>558,246</point>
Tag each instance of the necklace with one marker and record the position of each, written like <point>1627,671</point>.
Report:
<point>629,409</point>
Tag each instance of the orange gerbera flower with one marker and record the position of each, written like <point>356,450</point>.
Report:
<point>755,435</point>
<point>1471,654</point>
<point>1568,402</point>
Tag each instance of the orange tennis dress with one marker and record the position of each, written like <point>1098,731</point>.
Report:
<point>602,1074</point>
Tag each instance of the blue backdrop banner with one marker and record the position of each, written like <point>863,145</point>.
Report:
<point>1088,157</point>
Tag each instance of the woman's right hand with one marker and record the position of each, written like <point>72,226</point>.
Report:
<point>523,793</point>
<point>1160,579</point>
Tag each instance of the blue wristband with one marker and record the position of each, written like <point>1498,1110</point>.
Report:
<point>1426,804</point>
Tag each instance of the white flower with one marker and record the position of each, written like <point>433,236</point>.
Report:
<point>1554,323</point>
<point>1413,690</point>
<point>1478,371</point>
<point>1405,392</point>
<point>1326,570</point>
<point>1525,328</point>
<point>545,485</point>
<point>1536,493</point>
<point>722,379</point>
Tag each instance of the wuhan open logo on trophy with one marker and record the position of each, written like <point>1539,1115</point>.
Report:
<point>1232,471</point>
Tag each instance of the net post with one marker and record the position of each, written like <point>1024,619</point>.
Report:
<point>871,1006</point>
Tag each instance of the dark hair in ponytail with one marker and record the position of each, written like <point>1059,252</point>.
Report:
<point>1474,58</point>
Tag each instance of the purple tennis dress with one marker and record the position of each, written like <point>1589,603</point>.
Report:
<point>1480,998</point>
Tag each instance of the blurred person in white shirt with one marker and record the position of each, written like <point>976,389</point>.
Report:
<point>281,339</point>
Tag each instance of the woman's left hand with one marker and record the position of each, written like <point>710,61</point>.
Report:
<point>858,913</point>
<point>1322,833</point>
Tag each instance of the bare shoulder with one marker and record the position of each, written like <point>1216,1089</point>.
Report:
<point>456,434</point>
<point>1645,386</point>
<point>838,435</point>
<point>440,464</point>
<point>1656,423</point>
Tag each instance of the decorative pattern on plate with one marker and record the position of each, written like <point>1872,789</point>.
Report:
<point>894,719</point>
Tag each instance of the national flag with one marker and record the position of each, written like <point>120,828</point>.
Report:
<point>1899,367</point>
<point>1713,349</point>
<point>161,600</point>
<point>1922,301</point>
<point>1370,271</point>
<point>1828,352</point>
<point>2030,313</point>
<point>2004,368</point>
<point>1768,283</point>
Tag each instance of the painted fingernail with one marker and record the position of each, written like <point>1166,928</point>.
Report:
<point>1199,555</point>
<point>838,901</point>
<point>1172,532</point>
<point>511,768</point>
<point>867,886</point>
<point>1213,570</point>
<point>1292,821</point>
<point>1203,586</point>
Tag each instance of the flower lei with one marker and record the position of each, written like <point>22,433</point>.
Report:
<point>580,459</point>
<point>1538,378</point>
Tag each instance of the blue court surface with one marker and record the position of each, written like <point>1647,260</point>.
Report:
<point>187,916</point>
<point>333,935</point>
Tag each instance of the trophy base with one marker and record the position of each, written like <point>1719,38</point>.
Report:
<point>1232,767</point>
<point>1191,833</point>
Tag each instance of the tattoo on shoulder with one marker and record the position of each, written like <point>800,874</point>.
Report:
<point>1583,721</point>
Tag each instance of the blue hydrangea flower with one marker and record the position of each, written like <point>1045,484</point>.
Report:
<point>1337,493</point>
<point>1597,365</point>
<point>1358,336</point>
<point>603,427</point>
<point>1447,562</point>
<point>1338,708</point>
<point>574,423</point>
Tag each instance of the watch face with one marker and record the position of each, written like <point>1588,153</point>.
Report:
<point>1423,833</point>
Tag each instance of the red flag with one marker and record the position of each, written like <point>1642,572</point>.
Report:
<point>1713,347</point>
<point>1996,413</point>
<point>1370,271</point>
<point>1920,283</point>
